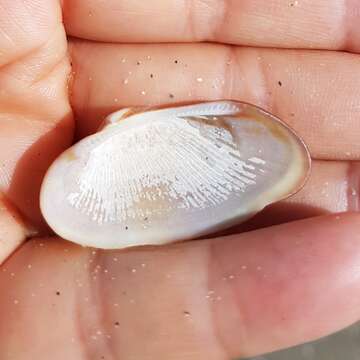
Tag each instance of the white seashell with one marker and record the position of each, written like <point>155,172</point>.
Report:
<point>170,174</point>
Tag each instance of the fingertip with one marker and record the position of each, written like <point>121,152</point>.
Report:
<point>25,26</point>
<point>282,284</point>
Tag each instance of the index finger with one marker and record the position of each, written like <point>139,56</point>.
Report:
<point>323,24</point>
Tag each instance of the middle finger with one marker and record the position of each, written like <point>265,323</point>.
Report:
<point>315,92</point>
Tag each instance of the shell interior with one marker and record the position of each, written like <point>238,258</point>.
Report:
<point>171,174</point>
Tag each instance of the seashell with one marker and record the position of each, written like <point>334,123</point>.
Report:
<point>159,175</point>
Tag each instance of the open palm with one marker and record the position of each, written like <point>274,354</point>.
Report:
<point>241,294</point>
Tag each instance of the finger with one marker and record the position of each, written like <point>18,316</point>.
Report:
<point>333,187</point>
<point>314,92</point>
<point>35,115</point>
<point>24,27</point>
<point>242,295</point>
<point>275,23</point>
<point>12,229</point>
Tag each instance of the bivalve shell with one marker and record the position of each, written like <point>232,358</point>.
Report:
<point>160,175</point>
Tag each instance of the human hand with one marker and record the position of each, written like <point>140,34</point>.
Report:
<point>237,295</point>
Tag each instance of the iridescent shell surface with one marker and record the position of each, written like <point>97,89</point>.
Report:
<point>160,175</point>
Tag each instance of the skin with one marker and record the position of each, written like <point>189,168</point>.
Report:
<point>294,278</point>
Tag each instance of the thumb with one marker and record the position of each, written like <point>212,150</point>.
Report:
<point>213,299</point>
